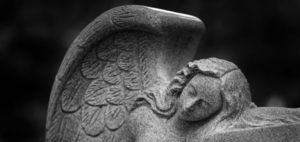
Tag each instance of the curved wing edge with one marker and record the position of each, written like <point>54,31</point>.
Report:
<point>123,18</point>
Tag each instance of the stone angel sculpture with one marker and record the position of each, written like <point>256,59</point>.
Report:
<point>126,78</point>
<point>213,102</point>
<point>122,60</point>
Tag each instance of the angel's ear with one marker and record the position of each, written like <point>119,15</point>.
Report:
<point>236,91</point>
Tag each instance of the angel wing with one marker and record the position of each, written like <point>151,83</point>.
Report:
<point>121,54</point>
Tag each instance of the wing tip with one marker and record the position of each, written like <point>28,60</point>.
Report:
<point>133,17</point>
<point>145,19</point>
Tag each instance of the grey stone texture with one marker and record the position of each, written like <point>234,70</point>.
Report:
<point>127,78</point>
<point>281,133</point>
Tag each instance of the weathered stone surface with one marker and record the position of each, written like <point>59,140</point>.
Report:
<point>216,101</point>
<point>118,63</point>
<point>282,133</point>
<point>119,81</point>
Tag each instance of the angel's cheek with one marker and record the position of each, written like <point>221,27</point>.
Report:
<point>212,101</point>
<point>200,110</point>
<point>215,103</point>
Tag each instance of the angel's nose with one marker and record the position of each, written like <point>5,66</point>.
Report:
<point>188,105</point>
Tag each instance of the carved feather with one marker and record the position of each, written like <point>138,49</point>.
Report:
<point>109,65</point>
<point>93,120</point>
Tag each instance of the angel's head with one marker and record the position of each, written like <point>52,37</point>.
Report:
<point>208,87</point>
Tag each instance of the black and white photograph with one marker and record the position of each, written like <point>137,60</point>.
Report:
<point>150,71</point>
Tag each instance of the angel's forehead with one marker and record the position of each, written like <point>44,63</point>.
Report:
<point>204,81</point>
<point>213,66</point>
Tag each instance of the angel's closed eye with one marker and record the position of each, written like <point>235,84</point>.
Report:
<point>200,98</point>
<point>197,105</point>
<point>192,90</point>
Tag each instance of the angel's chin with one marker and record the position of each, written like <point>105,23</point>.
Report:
<point>190,116</point>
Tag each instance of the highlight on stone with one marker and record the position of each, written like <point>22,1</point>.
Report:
<point>129,77</point>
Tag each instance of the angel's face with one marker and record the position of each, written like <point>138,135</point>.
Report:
<point>200,98</point>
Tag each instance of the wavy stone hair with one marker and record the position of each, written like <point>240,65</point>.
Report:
<point>235,93</point>
<point>235,89</point>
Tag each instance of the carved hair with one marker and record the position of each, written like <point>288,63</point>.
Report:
<point>213,67</point>
<point>236,97</point>
<point>235,90</point>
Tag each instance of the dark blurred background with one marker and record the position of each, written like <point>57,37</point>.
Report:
<point>261,36</point>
